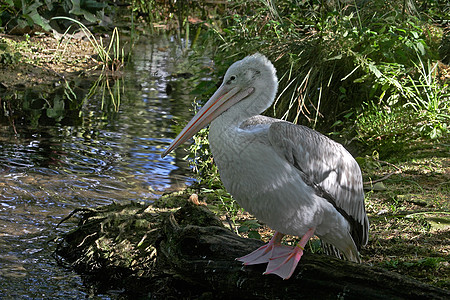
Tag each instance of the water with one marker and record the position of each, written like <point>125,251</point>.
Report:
<point>60,155</point>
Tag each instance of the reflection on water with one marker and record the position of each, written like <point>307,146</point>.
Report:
<point>58,153</point>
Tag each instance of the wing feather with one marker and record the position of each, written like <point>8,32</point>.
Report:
<point>325,165</point>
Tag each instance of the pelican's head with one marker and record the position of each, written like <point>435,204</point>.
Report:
<point>254,71</point>
<point>252,78</point>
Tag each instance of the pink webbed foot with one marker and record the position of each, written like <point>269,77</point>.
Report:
<point>284,265</point>
<point>263,254</point>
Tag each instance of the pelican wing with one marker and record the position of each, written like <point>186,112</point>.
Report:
<point>325,165</point>
<point>260,120</point>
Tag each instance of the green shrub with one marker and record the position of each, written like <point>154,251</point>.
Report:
<point>338,64</point>
<point>21,16</point>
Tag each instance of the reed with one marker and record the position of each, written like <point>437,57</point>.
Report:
<point>111,55</point>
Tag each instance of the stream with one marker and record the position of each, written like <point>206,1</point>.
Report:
<point>55,158</point>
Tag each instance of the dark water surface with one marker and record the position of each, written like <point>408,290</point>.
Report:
<point>55,158</point>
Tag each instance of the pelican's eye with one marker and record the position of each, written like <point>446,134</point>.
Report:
<point>231,79</point>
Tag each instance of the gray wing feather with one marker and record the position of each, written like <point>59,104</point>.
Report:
<point>326,165</point>
<point>259,120</point>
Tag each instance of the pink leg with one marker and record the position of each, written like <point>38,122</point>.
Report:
<point>265,252</point>
<point>284,265</point>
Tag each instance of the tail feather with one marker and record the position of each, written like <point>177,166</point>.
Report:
<point>350,253</point>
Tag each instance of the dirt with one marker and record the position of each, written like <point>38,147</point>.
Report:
<point>43,60</point>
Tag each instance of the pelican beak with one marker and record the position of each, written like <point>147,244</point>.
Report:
<point>222,100</point>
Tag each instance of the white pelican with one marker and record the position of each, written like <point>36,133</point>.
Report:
<point>294,179</point>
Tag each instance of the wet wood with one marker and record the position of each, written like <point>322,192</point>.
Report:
<point>196,258</point>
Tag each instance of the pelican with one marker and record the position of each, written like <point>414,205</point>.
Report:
<point>292,178</point>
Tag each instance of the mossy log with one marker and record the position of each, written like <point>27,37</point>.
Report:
<point>187,253</point>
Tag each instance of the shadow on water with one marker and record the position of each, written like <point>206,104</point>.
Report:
<point>87,143</point>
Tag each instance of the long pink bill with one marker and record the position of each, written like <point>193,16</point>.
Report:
<point>222,100</point>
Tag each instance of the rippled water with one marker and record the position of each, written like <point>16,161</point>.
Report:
<point>52,162</point>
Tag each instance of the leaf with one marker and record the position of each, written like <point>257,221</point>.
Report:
<point>31,14</point>
<point>57,111</point>
<point>253,224</point>
<point>94,4</point>
<point>361,79</point>
<point>77,10</point>
<point>243,229</point>
<point>348,115</point>
<point>29,21</point>
<point>338,122</point>
<point>360,160</point>
<point>23,23</point>
<point>435,133</point>
<point>375,70</point>
<point>49,4</point>
<point>40,21</point>
<point>254,235</point>
<point>379,186</point>
<point>334,57</point>
<point>421,48</point>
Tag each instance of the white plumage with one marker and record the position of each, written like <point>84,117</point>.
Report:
<point>292,178</point>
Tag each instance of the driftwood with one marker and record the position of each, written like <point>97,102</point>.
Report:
<point>187,253</point>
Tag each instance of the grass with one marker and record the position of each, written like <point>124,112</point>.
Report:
<point>410,217</point>
<point>111,55</point>
<point>366,74</point>
<point>41,51</point>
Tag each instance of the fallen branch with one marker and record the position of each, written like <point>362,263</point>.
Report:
<point>187,253</point>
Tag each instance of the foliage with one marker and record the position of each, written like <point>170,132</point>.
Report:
<point>430,100</point>
<point>339,64</point>
<point>22,16</point>
<point>223,204</point>
<point>250,227</point>
<point>425,263</point>
<point>409,107</point>
<point>8,55</point>
<point>328,63</point>
<point>202,162</point>
<point>377,126</point>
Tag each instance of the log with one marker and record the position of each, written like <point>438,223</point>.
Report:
<point>187,253</point>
